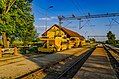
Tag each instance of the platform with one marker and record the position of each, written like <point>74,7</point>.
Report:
<point>96,67</point>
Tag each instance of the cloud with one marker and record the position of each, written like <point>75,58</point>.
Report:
<point>48,18</point>
<point>39,26</point>
<point>40,29</point>
<point>54,18</point>
<point>44,19</point>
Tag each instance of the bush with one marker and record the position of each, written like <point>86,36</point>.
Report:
<point>117,45</point>
<point>33,50</point>
<point>17,43</point>
<point>1,42</point>
<point>28,50</point>
<point>23,50</point>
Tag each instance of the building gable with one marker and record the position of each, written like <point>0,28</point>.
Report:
<point>62,31</point>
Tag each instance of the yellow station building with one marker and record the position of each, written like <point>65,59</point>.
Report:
<point>62,38</point>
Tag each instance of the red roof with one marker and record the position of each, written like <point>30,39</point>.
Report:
<point>69,33</point>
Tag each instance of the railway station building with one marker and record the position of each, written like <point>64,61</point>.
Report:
<point>59,31</point>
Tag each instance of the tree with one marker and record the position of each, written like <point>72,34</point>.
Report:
<point>111,38</point>
<point>17,20</point>
<point>92,40</point>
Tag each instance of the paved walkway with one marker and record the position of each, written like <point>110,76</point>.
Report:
<point>96,67</point>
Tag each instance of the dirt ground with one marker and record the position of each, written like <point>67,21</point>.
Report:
<point>25,65</point>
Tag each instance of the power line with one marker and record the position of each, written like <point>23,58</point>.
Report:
<point>115,21</point>
<point>43,14</point>
<point>68,23</point>
<point>88,16</point>
<point>84,24</point>
<point>80,7</point>
<point>110,24</point>
<point>49,11</point>
<point>75,5</point>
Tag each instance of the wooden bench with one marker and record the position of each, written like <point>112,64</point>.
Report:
<point>8,51</point>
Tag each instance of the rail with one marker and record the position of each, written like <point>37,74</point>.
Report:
<point>72,70</point>
<point>44,69</point>
<point>113,49</point>
<point>113,61</point>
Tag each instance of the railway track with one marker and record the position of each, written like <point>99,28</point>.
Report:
<point>68,67</point>
<point>113,49</point>
<point>59,70</point>
<point>55,68</point>
<point>74,67</point>
<point>113,57</point>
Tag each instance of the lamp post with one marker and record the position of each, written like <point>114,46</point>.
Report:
<point>47,16</point>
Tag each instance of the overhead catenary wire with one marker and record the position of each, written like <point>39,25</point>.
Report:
<point>77,8</point>
<point>110,24</point>
<point>44,14</point>
<point>49,11</point>
<point>112,20</point>
<point>68,23</point>
<point>44,9</point>
<point>80,7</point>
<point>75,5</point>
<point>86,22</point>
<point>115,21</point>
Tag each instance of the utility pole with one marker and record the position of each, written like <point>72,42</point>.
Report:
<point>47,16</point>
<point>60,20</point>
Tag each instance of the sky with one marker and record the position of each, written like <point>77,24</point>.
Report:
<point>90,27</point>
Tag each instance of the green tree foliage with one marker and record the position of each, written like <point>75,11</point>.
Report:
<point>17,20</point>
<point>29,0</point>
<point>111,38</point>
<point>92,40</point>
